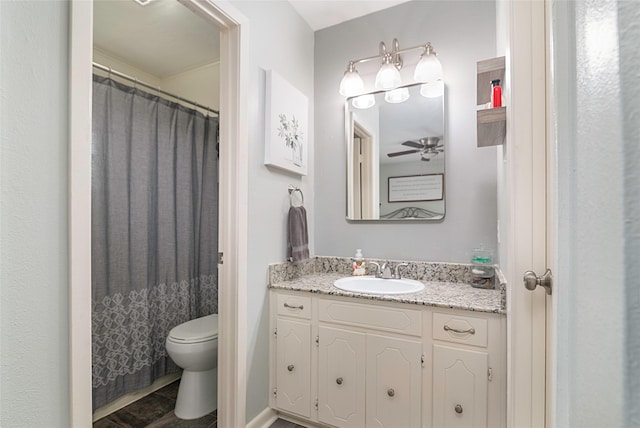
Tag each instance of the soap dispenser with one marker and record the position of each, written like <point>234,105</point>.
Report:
<point>358,266</point>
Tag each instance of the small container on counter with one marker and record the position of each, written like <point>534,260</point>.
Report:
<point>482,270</point>
<point>358,267</point>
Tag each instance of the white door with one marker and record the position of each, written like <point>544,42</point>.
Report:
<point>341,377</point>
<point>459,388</point>
<point>394,379</point>
<point>293,366</point>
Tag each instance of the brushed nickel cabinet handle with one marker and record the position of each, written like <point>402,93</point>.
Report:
<point>391,392</point>
<point>455,330</point>
<point>458,408</point>
<point>339,381</point>
<point>286,305</point>
<point>290,367</point>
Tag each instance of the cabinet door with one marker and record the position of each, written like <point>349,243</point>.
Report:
<point>341,377</point>
<point>394,378</point>
<point>293,366</point>
<point>459,388</point>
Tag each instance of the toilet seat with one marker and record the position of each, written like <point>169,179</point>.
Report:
<point>196,331</point>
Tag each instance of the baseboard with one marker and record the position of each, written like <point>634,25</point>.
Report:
<point>264,419</point>
<point>127,399</point>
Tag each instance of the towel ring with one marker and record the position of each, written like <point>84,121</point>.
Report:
<point>293,189</point>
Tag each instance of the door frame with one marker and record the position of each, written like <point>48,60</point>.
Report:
<point>523,208</point>
<point>234,72</point>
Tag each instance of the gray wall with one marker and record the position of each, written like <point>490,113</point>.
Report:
<point>288,50</point>
<point>462,32</point>
<point>34,296</point>
<point>629,34</point>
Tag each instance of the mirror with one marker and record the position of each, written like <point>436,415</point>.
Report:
<point>395,156</point>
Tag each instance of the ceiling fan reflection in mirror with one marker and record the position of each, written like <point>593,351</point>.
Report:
<point>428,147</point>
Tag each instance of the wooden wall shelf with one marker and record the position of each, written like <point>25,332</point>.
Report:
<point>491,122</point>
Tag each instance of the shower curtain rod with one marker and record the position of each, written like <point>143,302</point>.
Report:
<point>155,88</point>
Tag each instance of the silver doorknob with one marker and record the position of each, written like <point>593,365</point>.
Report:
<point>339,381</point>
<point>458,408</point>
<point>391,392</point>
<point>531,280</point>
<point>290,367</point>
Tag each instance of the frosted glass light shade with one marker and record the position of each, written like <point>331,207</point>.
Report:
<point>398,95</point>
<point>432,89</point>
<point>363,101</point>
<point>388,77</point>
<point>428,69</point>
<point>351,83</point>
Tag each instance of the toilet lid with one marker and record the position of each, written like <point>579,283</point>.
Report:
<point>197,330</point>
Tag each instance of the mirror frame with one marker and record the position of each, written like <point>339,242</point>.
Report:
<point>349,142</point>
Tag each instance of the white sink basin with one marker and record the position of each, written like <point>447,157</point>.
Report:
<point>372,285</point>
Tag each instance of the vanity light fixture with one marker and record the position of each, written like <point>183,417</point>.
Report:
<point>351,83</point>
<point>388,76</point>
<point>432,89</point>
<point>398,95</point>
<point>364,101</point>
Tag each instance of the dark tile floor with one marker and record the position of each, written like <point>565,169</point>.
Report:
<point>155,411</point>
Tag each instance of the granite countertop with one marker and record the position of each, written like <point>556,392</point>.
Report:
<point>446,284</point>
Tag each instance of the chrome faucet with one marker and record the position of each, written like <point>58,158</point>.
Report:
<point>385,271</point>
<point>396,271</point>
<point>377,271</point>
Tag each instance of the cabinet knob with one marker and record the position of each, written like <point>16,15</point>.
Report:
<point>391,392</point>
<point>290,367</point>
<point>458,408</point>
<point>339,381</point>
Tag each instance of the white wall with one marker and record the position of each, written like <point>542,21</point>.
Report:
<point>200,84</point>
<point>34,295</point>
<point>288,50</point>
<point>597,296</point>
<point>462,33</point>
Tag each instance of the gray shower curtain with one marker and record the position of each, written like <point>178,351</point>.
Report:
<point>154,232</point>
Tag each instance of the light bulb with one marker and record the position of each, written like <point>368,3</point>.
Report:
<point>363,101</point>
<point>388,76</point>
<point>351,83</point>
<point>428,68</point>
<point>396,95</point>
<point>432,89</point>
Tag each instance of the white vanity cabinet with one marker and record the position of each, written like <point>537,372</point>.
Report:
<point>369,372</point>
<point>293,355</point>
<point>469,370</point>
<point>367,363</point>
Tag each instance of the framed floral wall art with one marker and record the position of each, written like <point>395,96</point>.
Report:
<point>286,125</point>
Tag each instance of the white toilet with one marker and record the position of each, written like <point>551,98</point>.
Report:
<point>193,346</point>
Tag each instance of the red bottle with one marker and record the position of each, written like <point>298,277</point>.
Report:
<point>496,93</point>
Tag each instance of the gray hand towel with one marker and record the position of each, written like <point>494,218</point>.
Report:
<point>298,240</point>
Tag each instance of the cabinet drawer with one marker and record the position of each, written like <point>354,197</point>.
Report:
<point>396,320</point>
<point>294,306</point>
<point>460,329</point>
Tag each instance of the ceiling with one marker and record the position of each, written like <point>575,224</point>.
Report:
<point>164,38</point>
<point>320,14</point>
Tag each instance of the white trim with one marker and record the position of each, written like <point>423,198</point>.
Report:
<point>233,202</point>
<point>264,419</point>
<point>524,184</point>
<point>234,43</point>
<point>80,87</point>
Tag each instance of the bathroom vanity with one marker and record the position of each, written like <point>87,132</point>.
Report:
<point>435,358</point>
